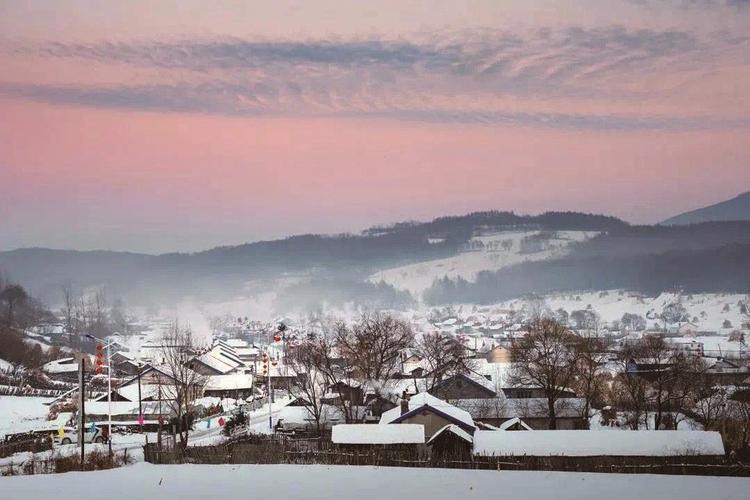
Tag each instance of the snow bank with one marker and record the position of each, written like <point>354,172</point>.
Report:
<point>319,482</point>
<point>378,434</point>
<point>587,443</point>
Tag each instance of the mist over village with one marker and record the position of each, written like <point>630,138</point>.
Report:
<point>386,249</point>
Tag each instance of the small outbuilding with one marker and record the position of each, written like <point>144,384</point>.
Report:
<point>451,442</point>
<point>598,443</point>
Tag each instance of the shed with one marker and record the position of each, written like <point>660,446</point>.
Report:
<point>451,441</point>
<point>373,434</point>
<point>598,443</point>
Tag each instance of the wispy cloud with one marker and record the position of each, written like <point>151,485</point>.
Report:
<point>403,79</point>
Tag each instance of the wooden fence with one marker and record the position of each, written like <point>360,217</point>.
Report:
<point>281,450</point>
<point>32,442</point>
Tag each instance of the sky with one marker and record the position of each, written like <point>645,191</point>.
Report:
<point>182,125</point>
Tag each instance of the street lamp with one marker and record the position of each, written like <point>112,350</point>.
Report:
<point>109,385</point>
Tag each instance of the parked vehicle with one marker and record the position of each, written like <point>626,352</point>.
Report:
<point>91,435</point>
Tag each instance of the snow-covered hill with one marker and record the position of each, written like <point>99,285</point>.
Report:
<point>486,252</point>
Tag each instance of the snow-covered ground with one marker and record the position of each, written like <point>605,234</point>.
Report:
<point>490,253</point>
<point>5,366</point>
<point>340,482</point>
<point>21,414</point>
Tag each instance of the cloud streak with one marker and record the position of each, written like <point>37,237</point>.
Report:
<point>415,79</point>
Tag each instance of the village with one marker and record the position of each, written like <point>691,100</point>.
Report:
<point>471,387</point>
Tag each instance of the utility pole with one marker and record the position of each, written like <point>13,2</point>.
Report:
<point>109,397</point>
<point>270,391</point>
<point>81,409</point>
<point>158,436</point>
<point>140,410</point>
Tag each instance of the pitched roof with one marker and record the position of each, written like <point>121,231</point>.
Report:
<point>473,379</point>
<point>513,421</point>
<point>424,401</point>
<point>452,429</point>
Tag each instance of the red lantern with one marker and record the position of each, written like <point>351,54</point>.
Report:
<point>99,359</point>
<point>221,421</point>
<point>277,338</point>
<point>274,362</point>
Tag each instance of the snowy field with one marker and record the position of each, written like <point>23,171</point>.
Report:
<point>498,250</point>
<point>143,481</point>
<point>708,310</point>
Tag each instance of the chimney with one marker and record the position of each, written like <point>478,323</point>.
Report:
<point>404,403</point>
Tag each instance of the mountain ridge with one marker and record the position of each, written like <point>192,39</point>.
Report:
<point>734,209</point>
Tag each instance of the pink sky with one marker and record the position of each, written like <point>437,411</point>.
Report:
<point>162,132</point>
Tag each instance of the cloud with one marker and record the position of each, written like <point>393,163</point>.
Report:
<point>237,101</point>
<point>421,78</point>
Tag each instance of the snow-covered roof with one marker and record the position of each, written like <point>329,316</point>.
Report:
<point>229,382</point>
<point>513,421</point>
<point>425,399</point>
<point>211,360</point>
<point>598,443</point>
<point>378,434</point>
<point>301,415</point>
<point>453,429</point>
<point>64,365</point>
<point>130,392</point>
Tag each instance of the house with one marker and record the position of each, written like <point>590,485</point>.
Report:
<point>533,411</point>
<point>62,369</point>
<point>300,418</point>
<point>527,392</point>
<point>462,386</point>
<point>130,393</point>
<point>586,444</point>
<point>221,359</point>
<point>450,441</point>
<point>124,363</point>
<point>498,354</point>
<point>125,413</point>
<point>233,385</point>
<point>431,412</point>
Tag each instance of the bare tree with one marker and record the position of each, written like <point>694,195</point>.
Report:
<point>69,311</point>
<point>543,357</point>
<point>669,383</point>
<point>590,381</point>
<point>372,348</point>
<point>708,400</point>
<point>305,361</point>
<point>628,390</point>
<point>12,296</point>
<point>183,385</point>
<point>341,377</point>
<point>443,357</point>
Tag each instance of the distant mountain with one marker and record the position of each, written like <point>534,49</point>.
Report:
<point>341,262</point>
<point>731,210</point>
